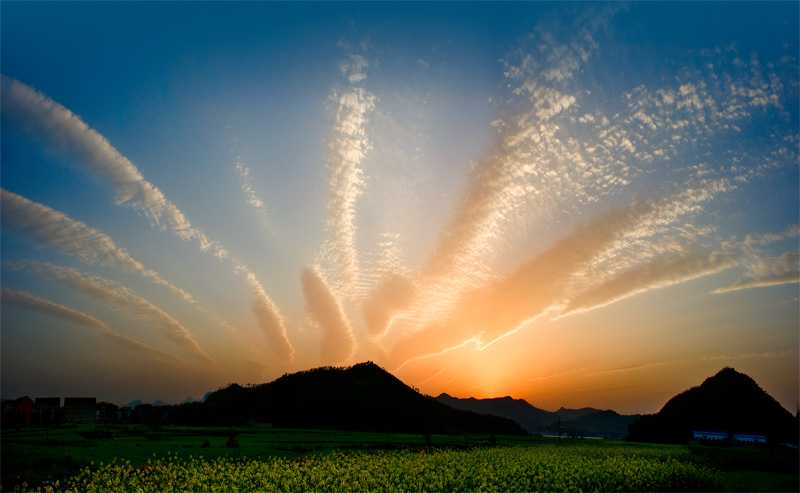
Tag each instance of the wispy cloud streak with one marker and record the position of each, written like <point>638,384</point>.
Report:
<point>269,317</point>
<point>46,119</point>
<point>655,274</point>
<point>56,230</point>
<point>246,183</point>
<point>526,177</point>
<point>347,147</point>
<point>28,301</point>
<point>121,299</point>
<point>776,271</point>
<point>338,343</point>
<point>545,282</point>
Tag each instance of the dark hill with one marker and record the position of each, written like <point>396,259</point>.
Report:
<point>529,417</point>
<point>362,397</point>
<point>574,422</point>
<point>729,401</point>
<point>607,424</point>
<point>573,414</point>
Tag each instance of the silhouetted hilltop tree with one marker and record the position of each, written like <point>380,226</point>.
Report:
<point>361,397</point>
<point>729,401</point>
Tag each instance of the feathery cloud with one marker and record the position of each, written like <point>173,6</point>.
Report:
<point>347,148</point>
<point>393,294</point>
<point>774,271</point>
<point>52,122</point>
<point>338,343</point>
<point>55,229</point>
<point>28,301</point>
<point>121,299</point>
<point>46,119</point>
<point>545,283</point>
<point>521,180</point>
<point>246,182</point>
<point>655,274</point>
<point>269,317</point>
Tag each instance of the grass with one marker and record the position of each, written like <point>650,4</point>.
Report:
<point>753,468</point>
<point>35,454</point>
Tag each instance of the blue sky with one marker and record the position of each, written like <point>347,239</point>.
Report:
<point>572,203</point>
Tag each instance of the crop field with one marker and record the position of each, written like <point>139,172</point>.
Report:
<point>130,458</point>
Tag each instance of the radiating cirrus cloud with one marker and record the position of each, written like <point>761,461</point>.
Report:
<point>54,229</point>
<point>246,184</point>
<point>545,283</point>
<point>28,301</point>
<point>269,317</point>
<point>49,121</point>
<point>518,182</point>
<point>325,311</point>
<point>347,147</point>
<point>774,271</point>
<point>561,149</point>
<point>119,298</point>
<point>657,273</point>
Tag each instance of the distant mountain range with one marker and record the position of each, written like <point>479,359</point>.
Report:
<point>361,397</point>
<point>572,422</point>
<point>138,402</point>
<point>730,402</point>
<point>158,403</point>
<point>366,397</point>
<point>529,417</point>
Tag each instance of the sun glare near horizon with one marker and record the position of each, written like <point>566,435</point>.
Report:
<point>574,204</point>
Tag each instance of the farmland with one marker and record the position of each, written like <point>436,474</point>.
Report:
<point>128,458</point>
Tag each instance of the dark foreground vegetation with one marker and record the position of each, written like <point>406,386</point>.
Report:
<point>194,458</point>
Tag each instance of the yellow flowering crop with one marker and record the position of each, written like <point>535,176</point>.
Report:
<point>541,468</point>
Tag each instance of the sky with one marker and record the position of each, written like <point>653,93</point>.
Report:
<point>575,204</point>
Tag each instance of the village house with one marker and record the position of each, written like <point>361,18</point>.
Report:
<point>80,409</point>
<point>22,410</point>
<point>47,409</point>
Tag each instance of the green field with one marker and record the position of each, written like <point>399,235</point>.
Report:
<point>119,458</point>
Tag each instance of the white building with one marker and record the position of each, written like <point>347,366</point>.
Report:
<point>710,436</point>
<point>745,438</point>
<point>726,437</point>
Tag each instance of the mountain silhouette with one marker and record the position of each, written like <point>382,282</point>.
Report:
<point>363,397</point>
<point>586,421</point>
<point>729,401</point>
<point>529,417</point>
<point>608,423</point>
<point>573,414</point>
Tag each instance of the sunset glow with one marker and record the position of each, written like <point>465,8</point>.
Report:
<point>575,204</point>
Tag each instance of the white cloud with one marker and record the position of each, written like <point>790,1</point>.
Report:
<point>353,68</point>
<point>122,299</point>
<point>246,183</point>
<point>338,344</point>
<point>765,272</point>
<point>268,316</point>
<point>50,121</point>
<point>348,146</point>
<point>34,303</point>
<point>54,229</point>
<point>658,273</point>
